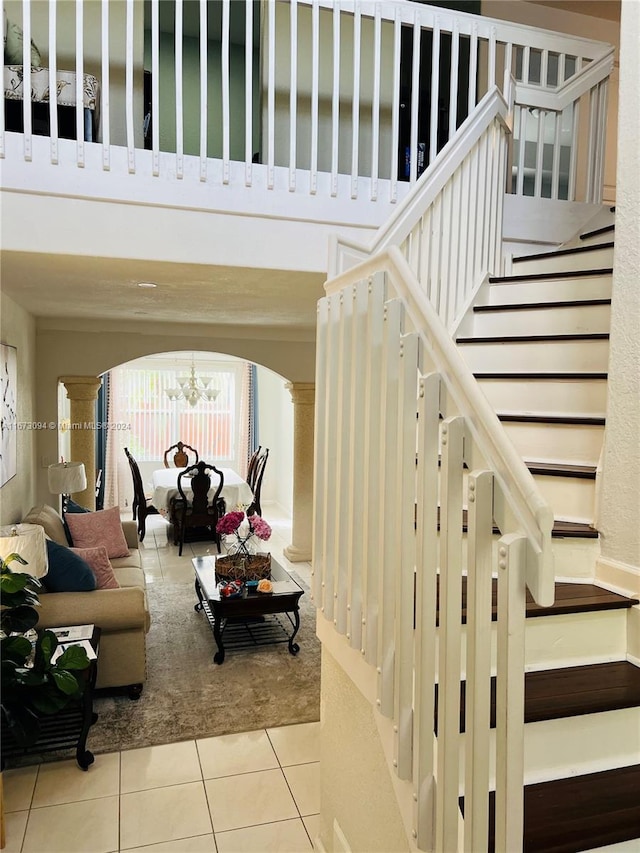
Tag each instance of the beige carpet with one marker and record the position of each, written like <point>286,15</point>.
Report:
<point>188,696</point>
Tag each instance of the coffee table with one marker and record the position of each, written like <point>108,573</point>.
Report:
<point>253,618</point>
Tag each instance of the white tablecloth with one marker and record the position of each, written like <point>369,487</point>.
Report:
<point>235,490</point>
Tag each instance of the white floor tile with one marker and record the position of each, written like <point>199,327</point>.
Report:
<point>160,766</point>
<point>15,825</point>
<point>304,782</point>
<point>229,755</point>
<point>297,744</point>
<point>18,785</point>
<point>249,799</point>
<point>312,825</point>
<point>288,836</point>
<point>163,814</point>
<point>197,844</point>
<point>87,827</point>
<point>64,782</point>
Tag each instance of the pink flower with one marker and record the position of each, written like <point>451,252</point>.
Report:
<point>230,522</point>
<point>260,527</point>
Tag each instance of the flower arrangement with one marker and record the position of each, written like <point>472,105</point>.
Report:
<point>241,531</point>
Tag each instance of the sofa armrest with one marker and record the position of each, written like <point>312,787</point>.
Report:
<point>110,609</point>
<point>130,529</point>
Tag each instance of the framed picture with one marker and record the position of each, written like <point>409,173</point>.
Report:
<point>9,414</point>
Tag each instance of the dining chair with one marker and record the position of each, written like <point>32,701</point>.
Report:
<point>181,456</point>
<point>198,509</point>
<point>251,467</point>
<point>142,507</point>
<point>261,464</point>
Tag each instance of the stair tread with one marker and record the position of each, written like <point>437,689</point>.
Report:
<point>550,376</point>
<point>561,529</point>
<point>604,230</point>
<point>585,420</point>
<point>554,469</point>
<point>515,339</point>
<point>527,306</point>
<point>541,276</point>
<point>580,812</point>
<point>559,253</point>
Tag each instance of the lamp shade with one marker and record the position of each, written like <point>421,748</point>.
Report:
<point>67,477</point>
<point>29,541</point>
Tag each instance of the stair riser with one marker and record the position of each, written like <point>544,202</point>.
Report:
<point>575,557</point>
<point>574,746</point>
<point>545,396</point>
<point>589,356</point>
<point>587,287</point>
<point>576,320</point>
<point>571,498</point>
<point>595,259</point>
<point>574,444</point>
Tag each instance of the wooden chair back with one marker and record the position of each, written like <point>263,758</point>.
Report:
<point>141,507</point>
<point>181,456</point>
<point>261,464</point>
<point>199,509</point>
<point>251,467</point>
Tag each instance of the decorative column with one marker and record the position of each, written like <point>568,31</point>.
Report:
<point>303,396</point>
<point>82,392</point>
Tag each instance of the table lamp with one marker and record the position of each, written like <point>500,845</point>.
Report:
<point>29,541</point>
<point>66,478</point>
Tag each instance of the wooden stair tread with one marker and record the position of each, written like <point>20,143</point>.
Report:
<point>542,276</point>
<point>578,813</point>
<point>561,529</point>
<point>526,306</point>
<point>544,376</point>
<point>561,253</point>
<point>518,339</point>
<point>577,420</point>
<point>605,230</point>
<point>552,469</point>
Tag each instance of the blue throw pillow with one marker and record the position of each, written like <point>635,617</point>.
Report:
<point>67,571</point>
<point>71,506</point>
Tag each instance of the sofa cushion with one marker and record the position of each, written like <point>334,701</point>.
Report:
<point>47,518</point>
<point>99,564</point>
<point>91,529</point>
<point>68,572</point>
<point>129,576</point>
<point>132,560</point>
<point>71,506</point>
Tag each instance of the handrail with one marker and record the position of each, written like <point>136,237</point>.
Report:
<point>436,175</point>
<point>559,98</point>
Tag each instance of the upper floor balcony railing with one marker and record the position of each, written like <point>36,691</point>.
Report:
<point>310,98</point>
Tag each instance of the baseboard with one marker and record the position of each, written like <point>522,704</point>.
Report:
<point>619,577</point>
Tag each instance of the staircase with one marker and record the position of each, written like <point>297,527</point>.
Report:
<point>539,349</point>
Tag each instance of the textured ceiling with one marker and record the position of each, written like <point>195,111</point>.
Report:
<point>104,288</point>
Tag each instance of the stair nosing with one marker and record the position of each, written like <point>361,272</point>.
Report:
<point>604,230</point>
<point>552,469</point>
<point>577,420</point>
<point>559,253</point>
<point>526,306</point>
<point>580,377</point>
<point>541,276</point>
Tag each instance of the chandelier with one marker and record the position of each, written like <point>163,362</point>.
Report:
<point>193,389</point>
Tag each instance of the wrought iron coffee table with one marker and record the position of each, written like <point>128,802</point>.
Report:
<point>253,618</point>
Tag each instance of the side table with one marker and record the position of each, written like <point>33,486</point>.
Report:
<point>69,727</point>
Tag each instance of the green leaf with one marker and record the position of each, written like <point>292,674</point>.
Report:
<point>45,647</point>
<point>65,682</point>
<point>73,657</point>
<point>49,699</point>
<point>17,649</point>
<point>19,619</point>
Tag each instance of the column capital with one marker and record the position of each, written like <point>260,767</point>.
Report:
<point>81,387</point>
<point>302,393</point>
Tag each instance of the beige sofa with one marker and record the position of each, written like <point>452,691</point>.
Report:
<point>122,614</point>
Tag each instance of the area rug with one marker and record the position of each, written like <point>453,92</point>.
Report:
<point>187,696</point>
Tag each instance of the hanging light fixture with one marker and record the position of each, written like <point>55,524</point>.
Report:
<point>193,389</point>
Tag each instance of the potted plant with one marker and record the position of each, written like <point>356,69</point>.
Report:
<point>32,686</point>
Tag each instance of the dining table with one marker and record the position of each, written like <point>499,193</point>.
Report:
<point>236,492</point>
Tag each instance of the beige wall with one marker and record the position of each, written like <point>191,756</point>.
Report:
<point>356,790</point>
<point>93,348</point>
<point>18,329</point>
<point>620,492</point>
<point>276,432</point>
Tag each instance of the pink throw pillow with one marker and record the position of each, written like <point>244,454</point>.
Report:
<point>91,529</point>
<point>99,564</point>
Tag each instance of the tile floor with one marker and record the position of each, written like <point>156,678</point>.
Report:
<point>255,792</point>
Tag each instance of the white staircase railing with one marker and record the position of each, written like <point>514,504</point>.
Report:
<point>328,98</point>
<point>409,456</point>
